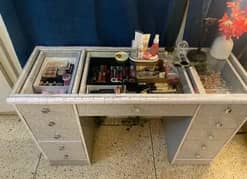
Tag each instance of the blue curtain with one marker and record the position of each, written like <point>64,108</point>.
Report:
<point>193,28</point>
<point>91,22</point>
<point>100,22</point>
<point>86,22</point>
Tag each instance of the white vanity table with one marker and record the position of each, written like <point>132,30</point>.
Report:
<point>63,127</point>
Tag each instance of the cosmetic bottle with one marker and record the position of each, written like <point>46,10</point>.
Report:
<point>171,74</point>
<point>66,79</point>
<point>134,48</point>
<point>140,51</point>
<point>155,47</point>
<point>145,41</point>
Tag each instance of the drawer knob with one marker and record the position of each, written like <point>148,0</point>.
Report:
<point>219,125</point>
<point>210,137</point>
<point>198,156</point>
<point>61,148</point>
<point>51,123</point>
<point>137,110</point>
<point>203,147</point>
<point>66,156</point>
<point>228,110</point>
<point>45,110</point>
<point>57,136</point>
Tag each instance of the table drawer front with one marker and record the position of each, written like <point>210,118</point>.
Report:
<point>58,116</point>
<point>63,150</point>
<point>220,116</point>
<point>217,123</point>
<point>209,134</point>
<point>193,149</point>
<point>61,112</point>
<point>58,134</point>
<point>52,123</point>
<point>136,110</point>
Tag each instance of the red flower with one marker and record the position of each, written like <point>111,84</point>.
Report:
<point>235,24</point>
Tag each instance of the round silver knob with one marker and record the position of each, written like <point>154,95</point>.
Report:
<point>51,123</point>
<point>61,148</point>
<point>228,110</point>
<point>198,156</point>
<point>219,125</point>
<point>45,110</point>
<point>203,147</point>
<point>66,156</point>
<point>57,136</point>
<point>210,137</point>
<point>137,109</point>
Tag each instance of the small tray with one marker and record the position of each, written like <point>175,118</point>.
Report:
<point>219,78</point>
<point>59,60</point>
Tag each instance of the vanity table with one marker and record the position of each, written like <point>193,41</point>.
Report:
<point>199,123</point>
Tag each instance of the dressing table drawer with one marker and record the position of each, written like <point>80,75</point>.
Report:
<point>51,122</point>
<point>63,150</point>
<point>49,116</point>
<point>209,134</point>
<point>136,110</point>
<point>194,149</point>
<point>56,134</point>
<point>217,123</point>
<point>220,116</point>
<point>34,111</point>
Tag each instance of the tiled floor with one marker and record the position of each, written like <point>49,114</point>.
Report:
<point>119,153</point>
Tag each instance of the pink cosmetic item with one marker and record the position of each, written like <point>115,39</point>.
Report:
<point>154,50</point>
<point>66,79</point>
<point>147,55</point>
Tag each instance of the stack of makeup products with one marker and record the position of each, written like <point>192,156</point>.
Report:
<point>107,76</point>
<point>56,75</point>
<point>104,74</point>
<point>54,78</point>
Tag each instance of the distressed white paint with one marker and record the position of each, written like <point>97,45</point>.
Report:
<point>12,57</point>
<point>5,90</point>
<point>10,67</point>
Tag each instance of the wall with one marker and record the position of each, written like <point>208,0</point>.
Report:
<point>23,45</point>
<point>5,90</point>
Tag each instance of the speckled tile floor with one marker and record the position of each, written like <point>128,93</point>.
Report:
<point>18,153</point>
<point>118,153</point>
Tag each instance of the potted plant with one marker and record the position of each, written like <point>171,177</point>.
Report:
<point>231,25</point>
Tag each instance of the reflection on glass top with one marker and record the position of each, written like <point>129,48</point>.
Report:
<point>218,76</point>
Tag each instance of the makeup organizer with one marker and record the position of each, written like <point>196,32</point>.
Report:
<point>106,75</point>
